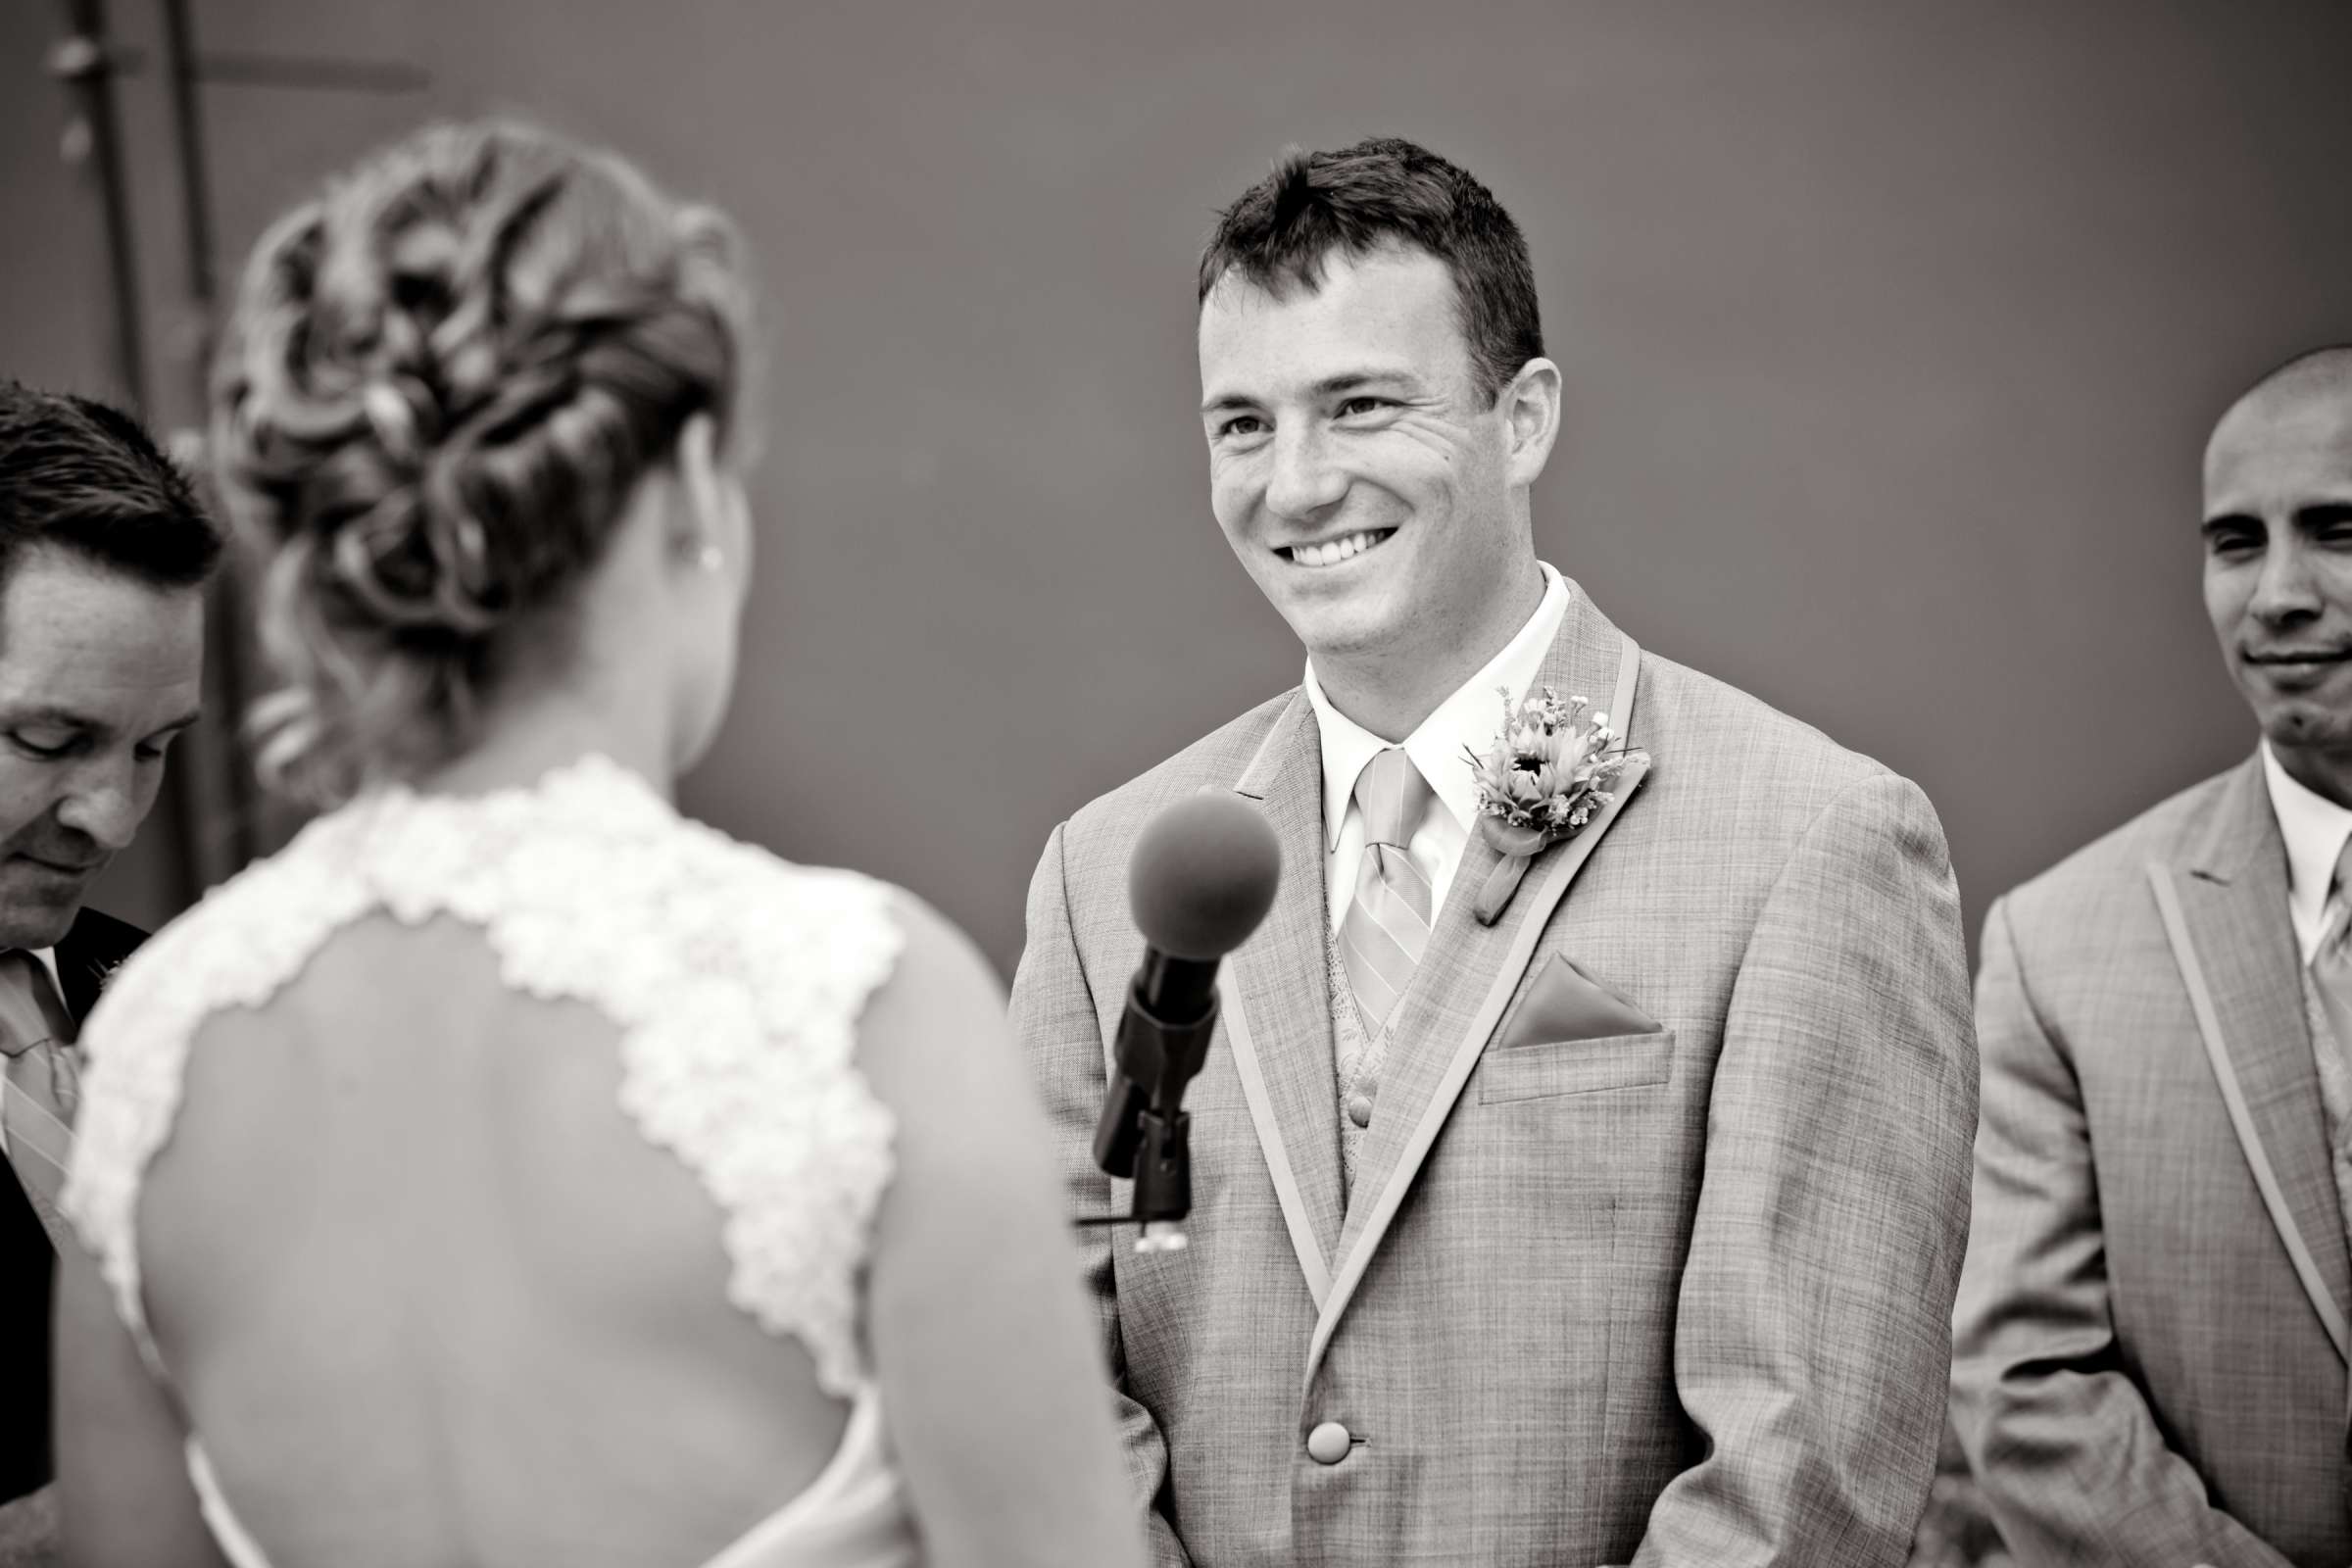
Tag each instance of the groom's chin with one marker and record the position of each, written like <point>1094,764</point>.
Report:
<point>1334,620</point>
<point>1336,628</point>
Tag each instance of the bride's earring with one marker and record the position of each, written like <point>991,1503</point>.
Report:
<point>709,558</point>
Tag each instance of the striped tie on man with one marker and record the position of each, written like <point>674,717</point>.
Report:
<point>1385,928</point>
<point>39,1087</point>
<point>2332,959</point>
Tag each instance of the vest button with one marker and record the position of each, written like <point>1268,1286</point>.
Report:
<point>1359,1109</point>
<point>1328,1444</point>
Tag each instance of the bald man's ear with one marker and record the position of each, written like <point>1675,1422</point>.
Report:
<point>1531,404</point>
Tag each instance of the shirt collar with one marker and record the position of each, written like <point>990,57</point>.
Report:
<point>47,958</point>
<point>1466,721</point>
<point>2315,828</point>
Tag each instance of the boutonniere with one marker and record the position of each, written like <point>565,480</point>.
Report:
<point>1554,766</point>
<point>102,974</point>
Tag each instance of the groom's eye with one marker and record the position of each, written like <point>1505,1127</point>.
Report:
<point>1363,405</point>
<point>1240,424</point>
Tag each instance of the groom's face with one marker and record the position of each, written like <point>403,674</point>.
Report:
<point>1354,468</point>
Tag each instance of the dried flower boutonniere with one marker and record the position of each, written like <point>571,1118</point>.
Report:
<point>1554,766</point>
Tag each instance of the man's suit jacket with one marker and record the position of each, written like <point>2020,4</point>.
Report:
<point>1672,1296</point>
<point>2144,1371</point>
<point>28,1263</point>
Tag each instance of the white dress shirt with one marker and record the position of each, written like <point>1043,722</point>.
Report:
<point>2315,828</point>
<point>1467,721</point>
<point>48,957</point>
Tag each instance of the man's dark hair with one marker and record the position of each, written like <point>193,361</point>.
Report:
<point>78,476</point>
<point>1388,191</point>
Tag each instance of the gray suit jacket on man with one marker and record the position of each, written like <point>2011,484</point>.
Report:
<point>2146,1370</point>
<point>1679,1296</point>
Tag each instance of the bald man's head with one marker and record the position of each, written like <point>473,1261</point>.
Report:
<point>2315,377</point>
<point>2278,560</point>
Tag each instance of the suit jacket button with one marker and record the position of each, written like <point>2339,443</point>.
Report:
<point>1328,1444</point>
<point>1359,1109</point>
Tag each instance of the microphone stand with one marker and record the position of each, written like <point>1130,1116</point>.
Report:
<point>1149,1140</point>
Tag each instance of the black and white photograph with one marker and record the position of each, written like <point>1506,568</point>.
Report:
<point>1077,785</point>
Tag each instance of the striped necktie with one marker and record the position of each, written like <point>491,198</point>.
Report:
<point>1385,928</point>
<point>40,1085</point>
<point>2332,959</point>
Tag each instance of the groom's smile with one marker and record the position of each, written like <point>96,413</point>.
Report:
<point>1333,551</point>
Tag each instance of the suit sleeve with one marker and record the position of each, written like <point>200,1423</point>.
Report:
<point>1813,1325</point>
<point>1053,1015</point>
<point>2069,1455</point>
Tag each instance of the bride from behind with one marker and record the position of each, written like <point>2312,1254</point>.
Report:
<point>512,1171</point>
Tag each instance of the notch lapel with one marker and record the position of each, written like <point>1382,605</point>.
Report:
<point>1277,1000</point>
<point>2227,922</point>
<point>91,949</point>
<point>1469,972</point>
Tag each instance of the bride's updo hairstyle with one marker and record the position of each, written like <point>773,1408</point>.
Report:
<point>444,377</point>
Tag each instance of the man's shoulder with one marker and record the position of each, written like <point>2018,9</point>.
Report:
<point>1109,821</point>
<point>1708,730</point>
<point>2113,867</point>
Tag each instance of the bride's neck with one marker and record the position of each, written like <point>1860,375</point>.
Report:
<point>523,735</point>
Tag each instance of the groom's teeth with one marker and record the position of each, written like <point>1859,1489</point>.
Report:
<point>1331,551</point>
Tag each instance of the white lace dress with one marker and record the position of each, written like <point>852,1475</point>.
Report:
<point>589,888</point>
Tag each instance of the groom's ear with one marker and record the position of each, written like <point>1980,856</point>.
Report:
<point>1529,405</point>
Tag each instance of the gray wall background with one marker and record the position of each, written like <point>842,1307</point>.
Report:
<point>1892,333</point>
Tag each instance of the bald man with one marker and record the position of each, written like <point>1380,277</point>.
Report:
<point>2151,1340</point>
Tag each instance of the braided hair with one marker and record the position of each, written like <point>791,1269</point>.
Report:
<point>443,378</point>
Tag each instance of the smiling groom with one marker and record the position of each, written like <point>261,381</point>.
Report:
<point>1623,1227</point>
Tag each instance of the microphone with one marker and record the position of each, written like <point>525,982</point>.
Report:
<point>1200,879</point>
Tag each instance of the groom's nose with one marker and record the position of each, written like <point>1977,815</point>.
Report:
<point>1305,480</point>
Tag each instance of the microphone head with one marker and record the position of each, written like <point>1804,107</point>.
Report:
<point>1203,876</point>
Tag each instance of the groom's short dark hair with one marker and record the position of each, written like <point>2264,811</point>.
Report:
<point>1388,191</point>
<point>78,476</point>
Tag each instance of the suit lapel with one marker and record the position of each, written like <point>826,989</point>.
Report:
<point>1277,1000</point>
<point>91,949</point>
<point>1469,971</point>
<point>2237,952</point>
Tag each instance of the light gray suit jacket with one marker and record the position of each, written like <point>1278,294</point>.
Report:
<point>2146,1371</point>
<point>1675,1298</point>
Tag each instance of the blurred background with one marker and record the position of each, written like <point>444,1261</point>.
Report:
<point>1892,333</point>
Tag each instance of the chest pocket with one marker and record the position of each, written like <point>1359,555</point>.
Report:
<point>1543,1069</point>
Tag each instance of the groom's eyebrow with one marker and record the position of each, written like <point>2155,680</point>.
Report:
<point>1330,386</point>
<point>1357,380</point>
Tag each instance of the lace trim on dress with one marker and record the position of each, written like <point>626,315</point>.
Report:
<point>736,980</point>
